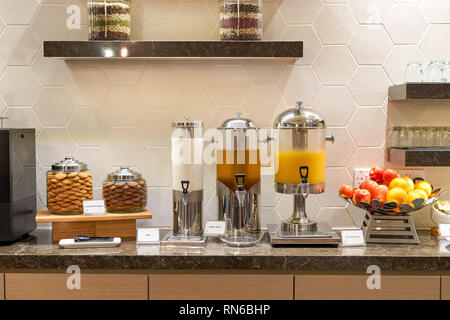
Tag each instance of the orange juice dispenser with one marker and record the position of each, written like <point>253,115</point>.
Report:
<point>238,181</point>
<point>300,154</point>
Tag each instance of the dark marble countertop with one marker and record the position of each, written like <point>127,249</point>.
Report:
<point>38,252</point>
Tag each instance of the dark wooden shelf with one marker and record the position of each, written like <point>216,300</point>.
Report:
<point>78,50</point>
<point>419,157</point>
<point>420,90</point>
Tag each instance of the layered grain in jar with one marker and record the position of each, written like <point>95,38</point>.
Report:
<point>109,19</point>
<point>125,191</point>
<point>69,183</point>
<point>241,19</point>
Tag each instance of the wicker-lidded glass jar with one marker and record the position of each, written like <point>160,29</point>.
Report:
<point>109,19</point>
<point>241,19</point>
<point>125,191</point>
<point>69,183</point>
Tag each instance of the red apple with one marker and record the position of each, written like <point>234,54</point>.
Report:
<point>376,174</point>
<point>390,175</point>
<point>368,185</point>
<point>346,191</point>
<point>380,193</point>
<point>362,195</point>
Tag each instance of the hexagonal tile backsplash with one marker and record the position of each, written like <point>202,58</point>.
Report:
<point>119,113</point>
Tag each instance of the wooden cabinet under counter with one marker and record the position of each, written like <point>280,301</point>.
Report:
<point>221,287</point>
<point>2,286</point>
<point>30,286</point>
<point>445,287</point>
<point>354,287</point>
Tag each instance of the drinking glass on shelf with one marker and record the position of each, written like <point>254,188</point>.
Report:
<point>436,71</point>
<point>426,136</point>
<point>448,71</point>
<point>410,137</point>
<point>433,138</point>
<point>402,137</point>
<point>414,72</point>
<point>395,137</point>
<point>444,137</point>
<point>416,137</point>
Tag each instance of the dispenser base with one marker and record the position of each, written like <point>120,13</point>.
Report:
<point>170,240</point>
<point>290,227</point>
<point>321,237</point>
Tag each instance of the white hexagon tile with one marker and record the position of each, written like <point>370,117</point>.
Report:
<point>111,114</point>
<point>335,24</point>
<point>335,65</point>
<point>398,24</point>
<point>370,44</point>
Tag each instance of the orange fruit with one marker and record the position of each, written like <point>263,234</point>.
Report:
<point>397,195</point>
<point>416,194</point>
<point>399,183</point>
<point>425,186</point>
<point>410,186</point>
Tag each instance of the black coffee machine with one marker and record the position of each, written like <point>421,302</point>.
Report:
<point>17,184</point>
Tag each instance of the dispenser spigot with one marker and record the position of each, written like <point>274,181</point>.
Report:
<point>240,192</point>
<point>185,187</point>
<point>304,186</point>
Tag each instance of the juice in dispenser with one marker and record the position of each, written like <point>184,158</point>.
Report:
<point>238,181</point>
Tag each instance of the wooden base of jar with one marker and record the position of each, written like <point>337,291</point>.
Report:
<point>105,225</point>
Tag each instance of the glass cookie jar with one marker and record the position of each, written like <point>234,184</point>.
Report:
<point>125,191</point>
<point>109,19</point>
<point>68,183</point>
<point>241,19</point>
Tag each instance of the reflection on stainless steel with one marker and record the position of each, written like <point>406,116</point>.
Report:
<point>17,183</point>
<point>187,215</point>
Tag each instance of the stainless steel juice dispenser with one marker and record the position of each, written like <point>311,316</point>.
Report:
<point>187,184</point>
<point>300,156</point>
<point>238,181</point>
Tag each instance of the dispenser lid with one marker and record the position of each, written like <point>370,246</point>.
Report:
<point>124,173</point>
<point>187,123</point>
<point>238,123</point>
<point>69,164</point>
<point>300,117</point>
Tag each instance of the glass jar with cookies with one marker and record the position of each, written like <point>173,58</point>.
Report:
<point>69,183</point>
<point>125,191</point>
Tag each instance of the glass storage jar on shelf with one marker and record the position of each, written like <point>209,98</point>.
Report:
<point>68,184</point>
<point>241,19</point>
<point>125,191</point>
<point>109,19</point>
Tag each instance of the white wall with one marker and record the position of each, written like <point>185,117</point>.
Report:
<point>111,114</point>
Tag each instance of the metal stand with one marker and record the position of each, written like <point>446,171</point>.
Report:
<point>171,240</point>
<point>299,221</point>
<point>299,229</point>
<point>390,229</point>
<point>324,236</point>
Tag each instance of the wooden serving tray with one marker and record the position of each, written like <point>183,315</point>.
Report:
<point>121,225</point>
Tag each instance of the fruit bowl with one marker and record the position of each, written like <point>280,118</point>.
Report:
<point>375,207</point>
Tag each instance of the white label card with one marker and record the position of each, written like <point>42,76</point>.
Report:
<point>94,207</point>
<point>444,230</point>
<point>353,238</point>
<point>147,236</point>
<point>214,228</point>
